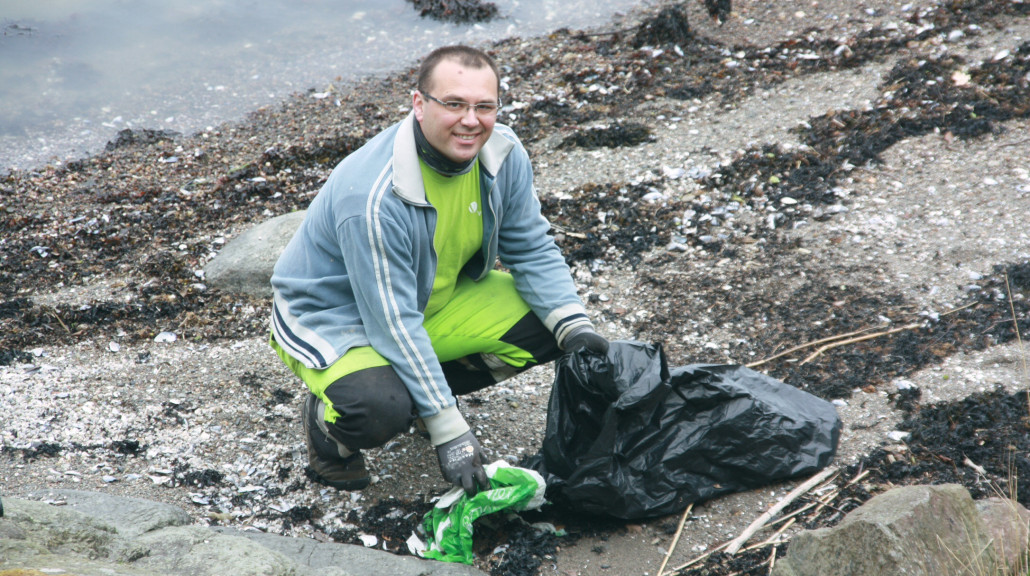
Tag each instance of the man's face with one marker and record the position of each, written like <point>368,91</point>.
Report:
<point>458,136</point>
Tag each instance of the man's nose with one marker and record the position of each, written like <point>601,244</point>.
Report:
<point>470,118</point>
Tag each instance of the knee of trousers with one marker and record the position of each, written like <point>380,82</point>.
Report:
<point>374,406</point>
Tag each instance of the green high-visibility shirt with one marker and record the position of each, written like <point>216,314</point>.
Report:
<point>459,228</point>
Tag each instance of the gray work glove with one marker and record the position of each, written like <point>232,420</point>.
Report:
<point>461,462</point>
<point>586,339</point>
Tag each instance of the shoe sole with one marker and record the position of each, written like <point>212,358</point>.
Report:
<point>348,485</point>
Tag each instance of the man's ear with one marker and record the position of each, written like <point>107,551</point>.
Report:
<point>418,104</point>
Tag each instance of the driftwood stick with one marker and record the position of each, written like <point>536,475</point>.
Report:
<point>788,518</point>
<point>1016,143</point>
<point>959,309</point>
<point>818,504</point>
<point>772,540</point>
<point>776,536</point>
<point>826,347</point>
<point>857,478</point>
<point>56,316</point>
<point>677,569</point>
<point>978,468</point>
<point>797,512</point>
<point>675,539</point>
<point>808,345</point>
<point>736,543</point>
<point>825,503</point>
<point>568,232</point>
<point>847,336</point>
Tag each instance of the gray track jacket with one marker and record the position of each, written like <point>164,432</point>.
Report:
<point>360,269</point>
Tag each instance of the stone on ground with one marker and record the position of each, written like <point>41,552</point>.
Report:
<point>245,263</point>
<point>911,531</point>
<point>93,534</point>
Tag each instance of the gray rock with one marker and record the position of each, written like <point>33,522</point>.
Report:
<point>93,534</point>
<point>914,530</point>
<point>245,263</point>
<point>319,557</point>
<point>37,535</point>
<point>1008,527</point>
<point>199,550</point>
<point>129,517</point>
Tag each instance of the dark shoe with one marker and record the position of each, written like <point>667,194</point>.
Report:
<point>345,474</point>
<point>325,464</point>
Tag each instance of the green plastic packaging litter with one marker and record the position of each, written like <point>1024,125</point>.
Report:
<point>449,524</point>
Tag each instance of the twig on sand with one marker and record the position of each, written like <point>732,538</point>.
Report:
<point>857,478</point>
<point>842,339</point>
<point>568,232</point>
<point>818,504</point>
<point>773,540</point>
<point>978,468</point>
<point>675,539</point>
<point>959,309</point>
<point>826,347</point>
<point>53,312</point>
<point>736,543</point>
<point>789,519</point>
<point>677,569</point>
<point>808,345</point>
<point>1016,143</point>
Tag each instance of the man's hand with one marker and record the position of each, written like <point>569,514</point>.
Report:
<point>585,338</point>
<point>461,462</point>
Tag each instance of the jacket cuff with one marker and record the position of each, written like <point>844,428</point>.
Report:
<point>446,425</point>
<point>565,326</point>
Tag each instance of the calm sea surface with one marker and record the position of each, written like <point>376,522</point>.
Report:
<point>74,72</point>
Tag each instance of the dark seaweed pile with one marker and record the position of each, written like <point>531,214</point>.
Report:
<point>457,11</point>
<point>989,429</point>
<point>719,9</point>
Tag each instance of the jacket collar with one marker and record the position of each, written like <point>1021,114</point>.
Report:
<point>407,176</point>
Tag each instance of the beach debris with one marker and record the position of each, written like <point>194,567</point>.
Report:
<point>456,11</point>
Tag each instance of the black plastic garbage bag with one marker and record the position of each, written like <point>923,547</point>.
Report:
<point>629,438</point>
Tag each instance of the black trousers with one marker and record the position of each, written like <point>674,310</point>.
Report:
<point>374,405</point>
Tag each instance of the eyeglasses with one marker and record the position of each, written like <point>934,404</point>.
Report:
<point>483,109</point>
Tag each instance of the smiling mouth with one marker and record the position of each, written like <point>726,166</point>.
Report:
<point>466,137</point>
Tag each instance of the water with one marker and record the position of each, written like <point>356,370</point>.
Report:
<point>74,72</point>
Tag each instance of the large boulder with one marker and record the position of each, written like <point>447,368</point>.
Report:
<point>911,531</point>
<point>94,534</point>
<point>1008,527</point>
<point>245,263</point>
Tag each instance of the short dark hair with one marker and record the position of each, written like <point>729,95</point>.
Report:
<point>465,55</point>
